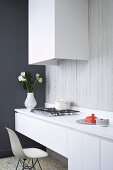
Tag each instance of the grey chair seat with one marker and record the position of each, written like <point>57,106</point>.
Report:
<point>35,153</point>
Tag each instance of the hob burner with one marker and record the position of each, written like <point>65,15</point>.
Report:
<point>54,112</point>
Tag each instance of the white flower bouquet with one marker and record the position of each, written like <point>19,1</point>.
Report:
<point>28,81</point>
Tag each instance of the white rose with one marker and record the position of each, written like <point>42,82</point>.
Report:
<point>23,74</point>
<point>40,80</point>
<point>20,78</point>
<point>37,76</point>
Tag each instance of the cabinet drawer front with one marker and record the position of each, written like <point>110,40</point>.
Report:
<point>58,139</point>
<point>91,152</point>
<point>106,155</point>
<point>32,128</point>
<point>46,133</point>
<point>74,150</point>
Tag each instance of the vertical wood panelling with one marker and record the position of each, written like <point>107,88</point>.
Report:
<point>74,77</point>
<point>100,54</point>
<point>47,83</point>
<point>107,20</point>
<point>69,81</point>
<point>94,52</point>
<point>88,83</point>
<point>80,83</point>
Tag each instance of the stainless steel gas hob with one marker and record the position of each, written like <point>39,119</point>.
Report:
<point>54,112</point>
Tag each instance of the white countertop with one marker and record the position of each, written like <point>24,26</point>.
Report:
<point>70,121</point>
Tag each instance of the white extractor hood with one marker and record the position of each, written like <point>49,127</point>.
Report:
<point>58,29</point>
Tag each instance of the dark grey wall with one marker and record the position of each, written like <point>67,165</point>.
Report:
<point>13,60</point>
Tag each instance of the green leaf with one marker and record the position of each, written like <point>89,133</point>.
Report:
<point>24,85</point>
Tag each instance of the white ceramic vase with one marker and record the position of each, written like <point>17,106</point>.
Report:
<point>30,101</point>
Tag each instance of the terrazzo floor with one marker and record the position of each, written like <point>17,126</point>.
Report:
<point>47,163</point>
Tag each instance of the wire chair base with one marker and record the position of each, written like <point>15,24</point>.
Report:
<point>27,165</point>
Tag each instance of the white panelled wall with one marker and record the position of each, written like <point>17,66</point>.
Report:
<point>88,83</point>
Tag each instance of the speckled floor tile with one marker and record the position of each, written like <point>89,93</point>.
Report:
<point>47,163</point>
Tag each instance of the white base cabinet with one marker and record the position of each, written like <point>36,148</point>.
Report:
<point>106,155</point>
<point>83,151</point>
<point>90,152</point>
<point>74,150</point>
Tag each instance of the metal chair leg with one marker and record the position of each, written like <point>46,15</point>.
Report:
<point>17,164</point>
<point>33,165</point>
<point>23,165</point>
<point>39,164</point>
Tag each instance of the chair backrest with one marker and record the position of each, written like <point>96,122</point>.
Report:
<point>15,144</point>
